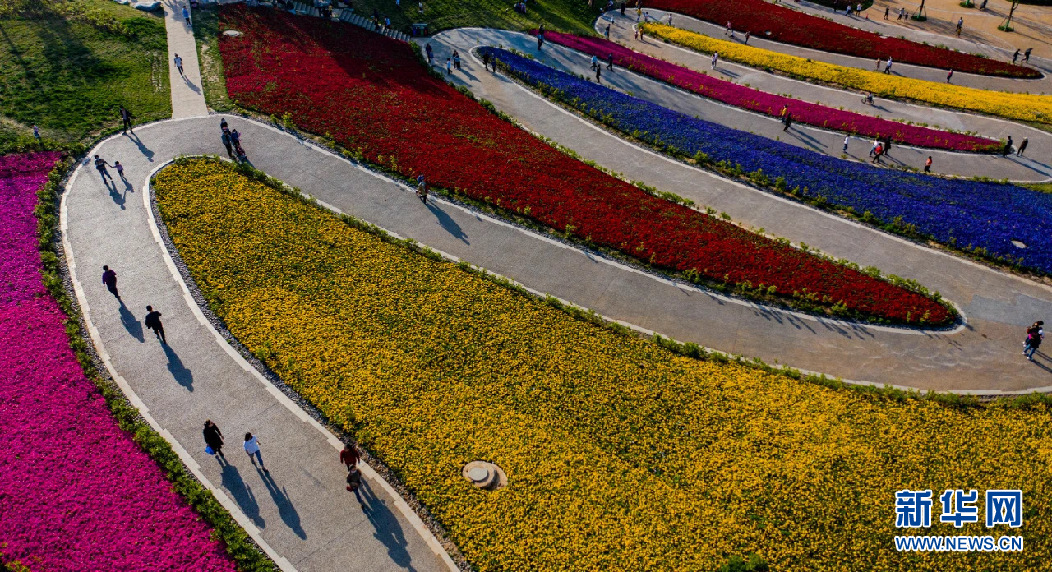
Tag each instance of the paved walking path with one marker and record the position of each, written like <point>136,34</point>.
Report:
<point>997,305</point>
<point>300,510</point>
<point>188,97</point>
<point>1042,85</point>
<point>1033,167</point>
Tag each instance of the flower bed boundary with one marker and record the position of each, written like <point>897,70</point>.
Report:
<point>1014,106</point>
<point>686,349</point>
<point>762,181</point>
<point>55,275</point>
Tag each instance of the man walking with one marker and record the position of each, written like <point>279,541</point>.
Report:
<point>960,26</point>
<point>610,61</point>
<point>214,439</point>
<point>153,322</point>
<point>598,74</point>
<point>126,118</point>
<point>887,68</point>
<point>36,133</point>
<point>430,53</point>
<point>109,278</point>
<point>227,143</point>
<point>715,59</point>
<point>608,32</point>
<point>100,165</point>
<point>949,76</point>
<point>1015,56</point>
<point>349,456</point>
<point>846,139</point>
<point>1022,147</point>
<point>927,165</point>
<point>788,120</point>
<point>1026,54</point>
<point>186,17</point>
<point>1008,147</point>
<point>252,449</point>
<point>179,65</point>
<point>887,10</point>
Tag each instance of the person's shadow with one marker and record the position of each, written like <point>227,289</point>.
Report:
<point>241,493</point>
<point>288,513</point>
<point>142,147</point>
<point>386,527</point>
<point>115,195</point>
<point>131,324</point>
<point>447,223</point>
<point>177,369</point>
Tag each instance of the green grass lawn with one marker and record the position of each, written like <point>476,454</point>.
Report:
<point>206,31</point>
<point>67,66</point>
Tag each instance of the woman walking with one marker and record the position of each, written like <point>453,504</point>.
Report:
<point>214,439</point>
<point>1034,335</point>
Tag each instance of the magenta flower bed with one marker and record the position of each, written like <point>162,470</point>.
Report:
<point>76,493</point>
<point>769,104</point>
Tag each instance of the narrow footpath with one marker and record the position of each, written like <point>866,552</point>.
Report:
<point>1030,168</point>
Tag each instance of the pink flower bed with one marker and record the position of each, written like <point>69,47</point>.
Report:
<point>76,493</point>
<point>769,104</point>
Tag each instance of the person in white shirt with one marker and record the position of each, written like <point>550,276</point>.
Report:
<point>252,448</point>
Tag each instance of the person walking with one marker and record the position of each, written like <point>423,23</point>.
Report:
<point>887,10</point>
<point>152,321</point>
<point>877,153</point>
<point>354,483</point>
<point>1034,335</point>
<point>126,118</point>
<point>873,149</point>
<point>430,54</point>
<point>846,140</point>
<point>607,33</point>
<point>449,66</point>
<point>235,140</point>
<point>1015,56</point>
<point>747,36</point>
<point>927,165</point>
<point>715,59</point>
<point>960,26</point>
<point>1008,147</point>
<point>1022,147</point>
<point>179,65</point>
<point>186,16</point>
<point>887,146</point>
<point>540,40</point>
<point>100,165</point>
<point>949,76</point>
<point>252,449</point>
<point>120,170</point>
<point>623,5</point>
<point>456,60</point>
<point>225,137</point>
<point>887,68</point>
<point>213,439</point>
<point>1026,54</point>
<point>598,74</point>
<point>109,278</point>
<point>485,61</point>
<point>595,62</point>
<point>610,61</point>
<point>788,120</point>
<point>421,188</point>
<point>350,456</point>
<point>36,133</point>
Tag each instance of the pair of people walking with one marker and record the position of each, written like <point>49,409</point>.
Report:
<point>101,166</point>
<point>152,321</point>
<point>349,457</point>
<point>214,445</point>
<point>232,141</point>
<point>1034,334</point>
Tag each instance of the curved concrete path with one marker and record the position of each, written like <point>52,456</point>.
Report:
<point>1024,169</point>
<point>998,305</point>
<point>299,511</point>
<point>1041,85</point>
<point>1035,165</point>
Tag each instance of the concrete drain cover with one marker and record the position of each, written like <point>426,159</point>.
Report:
<point>234,33</point>
<point>485,475</point>
<point>1018,243</point>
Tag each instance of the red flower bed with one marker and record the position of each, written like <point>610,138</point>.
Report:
<point>373,94</point>
<point>792,27</point>
<point>771,104</point>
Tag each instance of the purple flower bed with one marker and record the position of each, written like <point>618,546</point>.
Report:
<point>76,493</point>
<point>769,104</point>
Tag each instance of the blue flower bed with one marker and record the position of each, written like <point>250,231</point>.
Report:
<point>964,214</point>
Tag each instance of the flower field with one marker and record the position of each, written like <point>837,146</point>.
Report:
<point>372,94</point>
<point>793,27</point>
<point>771,104</point>
<point>963,214</point>
<point>76,492</point>
<point>619,454</point>
<point>1020,106</point>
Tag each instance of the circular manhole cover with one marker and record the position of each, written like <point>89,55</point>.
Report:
<point>234,33</point>
<point>485,475</point>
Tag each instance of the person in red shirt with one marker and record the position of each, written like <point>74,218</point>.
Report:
<point>349,456</point>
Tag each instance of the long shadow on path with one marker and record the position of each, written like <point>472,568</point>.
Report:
<point>387,528</point>
<point>242,494</point>
<point>177,369</point>
<point>448,223</point>
<point>288,513</point>
<point>131,323</point>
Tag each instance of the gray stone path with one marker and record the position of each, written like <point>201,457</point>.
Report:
<point>188,98</point>
<point>300,510</point>
<point>997,305</point>
<point>1042,85</point>
<point>1030,168</point>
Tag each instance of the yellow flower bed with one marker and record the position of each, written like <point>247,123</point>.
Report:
<point>620,454</point>
<point>1008,105</point>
